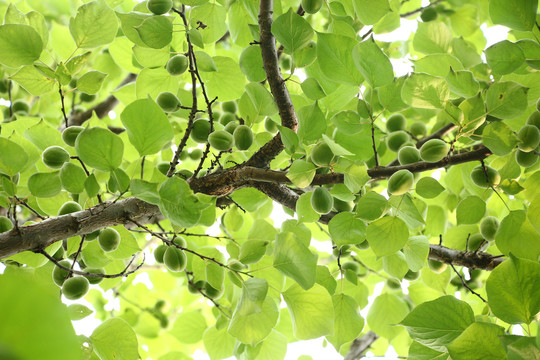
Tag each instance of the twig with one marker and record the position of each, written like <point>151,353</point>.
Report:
<point>466,285</point>
<point>63,107</point>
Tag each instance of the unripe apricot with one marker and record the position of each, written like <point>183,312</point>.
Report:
<point>396,122</point>
<point>93,279</point>
<point>200,131</point>
<point>55,157</point>
<point>175,259</point>
<point>489,227</point>
<point>177,65</point>
<point>412,275</point>
<point>69,207</point>
<point>195,154</point>
<point>322,201</point>
<point>163,167</point>
<point>529,138</point>
<point>340,205</point>
<point>311,6</point>
<point>526,159</point>
<point>436,266</point>
<point>400,182</point>
<point>397,139</point>
<point>229,106</point>
<point>109,239</point>
<point>168,102</point>
<point>418,129</point>
<point>487,178</point>
<point>75,288</point>
<point>60,275</point>
<point>159,252</point>
<point>434,150</point>
<point>5,224</point>
<point>227,118</point>
<point>350,265</point>
<point>408,155</point>
<point>221,140</point>
<point>322,155</point>
<point>159,7</point>
<point>230,127</point>
<point>270,125</point>
<point>69,135</point>
<point>20,107</point>
<point>211,292</point>
<point>534,119</point>
<point>243,137</point>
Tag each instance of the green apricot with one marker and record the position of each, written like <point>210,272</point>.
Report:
<point>341,206</point>
<point>59,254</point>
<point>159,252</point>
<point>418,129</point>
<point>321,201</point>
<point>490,177</point>
<point>236,265</point>
<point>221,140</point>
<point>230,127</point>
<point>109,239</point>
<point>526,159</point>
<point>227,118</point>
<point>92,235</point>
<point>177,65</point>
<point>436,266</point>
<point>185,173</point>
<point>345,251</point>
<point>55,157</point>
<point>396,122</point>
<point>529,138</point>
<point>211,292</point>
<point>243,137</point>
<point>400,182</point>
<point>350,265</point>
<point>312,6</point>
<point>408,155</point>
<point>69,135</point>
<point>75,288</point>
<point>428,14</point>
<point>363,245</point>
<point>174,259</point>
<point>69,207</point>
<point>20,107</point>
<point>434,150</point>
<point>180,241</point>
<point>412,275</point>
<point>534,119</point>
<point>397,139</point>
<point>60,275</point>
<point>195,154</point>
<point>163,167</point>
<point>159,7</point>
<point>92,279</point>
<point>270,125</point>
<point>475,241</point>
<point>200,130</point>
<point>4,86</point>
<point>195,287</point>
<point>87,97</point>
<point>229,107</point>
<point>168,102</point>
<point>538,104</point>
<point>489,227</point>
<point>322,155</point>
<point>5,224</point>
<point>393,284</point>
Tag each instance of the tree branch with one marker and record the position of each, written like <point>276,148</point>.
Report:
<point>360,346</point>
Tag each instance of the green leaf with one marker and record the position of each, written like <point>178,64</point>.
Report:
<point>304,210</point>
<point>425,91</point>
<point>151,82</point>
<point>100,148</point>
<point>436,324</point>
<point>19,45</point>
<point>189,326</point>
<point>252,251</point>
<point>387,235</point>
<point>390,95</point>
<point>432,37</point>
<point>78,311</point>
<point>395,265</point>
<point>369,12</point>
<point>517,15</point>
<point>347,321</point>
<point>91,186</point>
<point>129,24</point>
<point>311,123</point>
<point>144,190</point>
<point>416,252</point>
<point>289,138</point>
<point>516,226</point>
<point>506,100</point>
<point>90,83</point>
<point>115,339</point>
<point>227,83</point>
<point>156,31</point>
<point>470,210</point>
<point>301,173</point>
<point>355,178</point>
<point>178,203</point>
<point>20,293</point>
<point>72,178</point>
<point>372,63</point>
<point>346,229</point>
<point>479,341</point>
<point>385,313</point>
<point>371,206</point>
<point>218,343</point>
<point>251,63</point>
<point>94,25</point>
<point>513,290</point>
<point>335,60</point>
<point>213,16</point>
<point>312,311</point>
<point>499,138</point>
<point>437,64</point>
<point>294,259</point>
<point>261,99</point>
<point>292,31</point>
<point>33,81</point>
<point>428,187</point>
<point>418,351</point>
<point>463,83</point>
<point>45,184</point>
<point>13,158</point>
<point>147,126</point>
<point>504,57</point>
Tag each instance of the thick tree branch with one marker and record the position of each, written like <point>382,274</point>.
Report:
<point>102,108</point>
<point>277,86</point>
<point>361,345</point>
